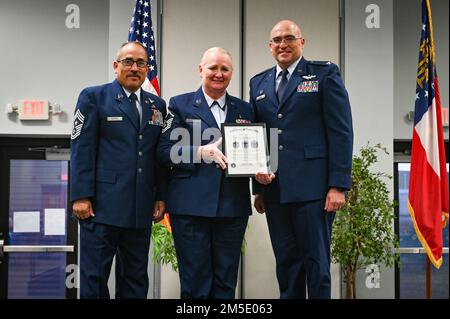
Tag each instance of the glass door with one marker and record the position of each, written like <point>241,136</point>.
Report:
<point>411,271</point>
<point>38,248</point>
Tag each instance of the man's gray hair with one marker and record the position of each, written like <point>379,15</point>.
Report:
<point>128,43</point>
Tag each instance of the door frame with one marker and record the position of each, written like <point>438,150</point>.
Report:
<point>27,148</point>
<point>402,154</point>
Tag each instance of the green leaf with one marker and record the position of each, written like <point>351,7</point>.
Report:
<point>363,229</point>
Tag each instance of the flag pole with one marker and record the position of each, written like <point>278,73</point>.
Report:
<point>428,185</point>
<point>428,277</point>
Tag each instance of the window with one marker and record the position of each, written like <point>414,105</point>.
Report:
<point>411,273</point>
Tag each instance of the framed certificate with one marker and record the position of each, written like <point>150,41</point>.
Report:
<point>245,146</point>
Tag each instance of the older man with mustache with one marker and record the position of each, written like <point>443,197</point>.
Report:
<point>116,186</point>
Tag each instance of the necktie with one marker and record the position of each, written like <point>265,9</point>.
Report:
<point>282,85</point>
<point>217,103</point>
<point>219,112</point>
<point>133,99</point>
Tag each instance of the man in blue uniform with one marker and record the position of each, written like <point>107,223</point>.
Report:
<point>208,211</point>
<point>116,186</point>
<point>307,103</point>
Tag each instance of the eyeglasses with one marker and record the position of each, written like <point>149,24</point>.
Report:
<point>287,39</point>
<point>129,63</point>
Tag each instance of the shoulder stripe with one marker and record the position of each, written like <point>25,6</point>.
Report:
<point>262,72</point>
<point>323,63</point>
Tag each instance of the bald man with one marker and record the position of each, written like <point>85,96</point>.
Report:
<point>209,212</point>
<point>307,103</point>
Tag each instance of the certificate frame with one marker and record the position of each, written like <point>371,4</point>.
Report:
<point>245,146</point>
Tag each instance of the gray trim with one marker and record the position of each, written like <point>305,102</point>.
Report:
<point>242,38</point>
<point>342,38</point>
<point>417,250</point>
<point>159,25</point>
<point>342,70</point>
<point>36,249</point>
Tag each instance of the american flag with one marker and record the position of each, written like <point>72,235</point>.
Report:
<point>141,29</point>
<point>428,185</point>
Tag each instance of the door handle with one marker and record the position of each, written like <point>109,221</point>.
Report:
<point>1,249</point>
<point>417,250</point>
<point>37,248</point>
<point>32,248</point>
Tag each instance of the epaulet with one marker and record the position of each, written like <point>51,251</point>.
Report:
<point>323,63</point>
<point>262,72</point>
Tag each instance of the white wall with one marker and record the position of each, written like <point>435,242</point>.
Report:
<point>407,24</point>
<point>119,24</point>
<point>43,59</point>
<point>189,28</point>
<point>369,78</point>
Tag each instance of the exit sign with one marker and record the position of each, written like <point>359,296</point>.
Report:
<point>445,116</point>
<point>33,110</point>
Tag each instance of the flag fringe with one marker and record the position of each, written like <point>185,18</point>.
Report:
<point>430,22</point>
<point>436,263</point>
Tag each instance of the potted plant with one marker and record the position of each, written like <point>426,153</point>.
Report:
<point>163,245</point>
<point>363,229</point>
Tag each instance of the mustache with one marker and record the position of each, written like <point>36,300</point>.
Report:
<point>133,74</point>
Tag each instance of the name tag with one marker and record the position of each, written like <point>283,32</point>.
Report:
<point>193,121</point>
<point>260,97</point>
<point>242,121</point>
<point>114,118</point>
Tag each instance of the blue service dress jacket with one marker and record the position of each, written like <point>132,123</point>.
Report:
<point>313,124</point>
<point>113,156</point>
<point>198,188</point>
